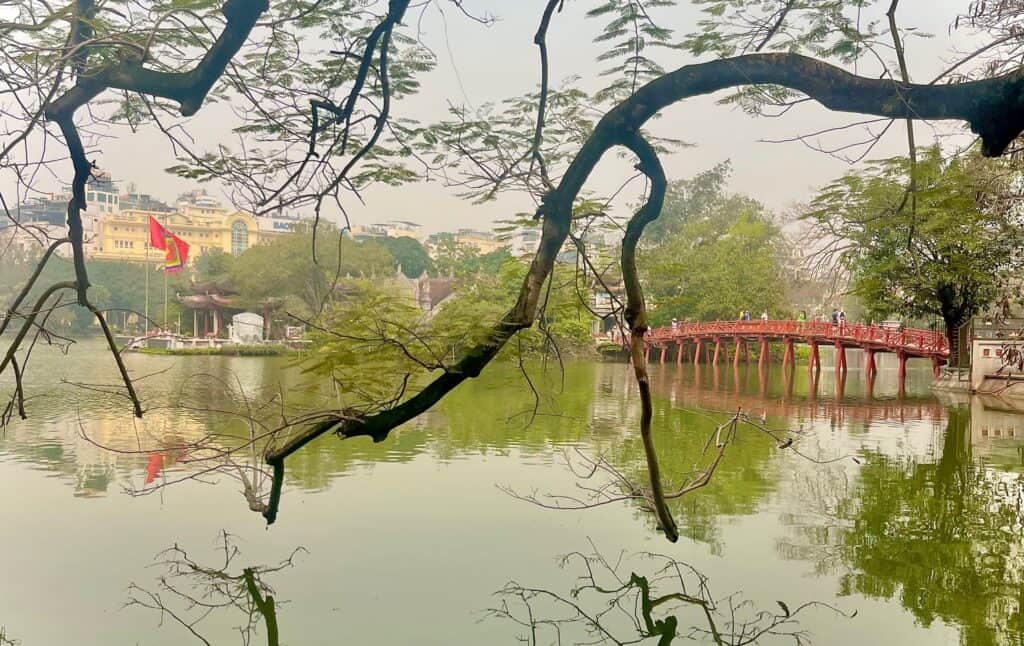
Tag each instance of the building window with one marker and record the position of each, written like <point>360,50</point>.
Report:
<point>239,237</point>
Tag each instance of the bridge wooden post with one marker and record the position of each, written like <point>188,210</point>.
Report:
<point>788,356</point>
<point>736,351</point>
<point>762,356</point>
<point>840,357</point>
<point>814,361</point>
<point>903,369</point>
<point>718,349</point>
<point>696,351</point>
<point>746,352</point>
<point>664,349</point>
<point>680,349</point>
<point>936,366</point>
<point>870,368</point>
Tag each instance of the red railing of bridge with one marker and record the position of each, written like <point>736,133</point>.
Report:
<point>910,340</point>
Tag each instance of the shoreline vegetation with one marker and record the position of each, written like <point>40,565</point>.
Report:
<point>228,350</point>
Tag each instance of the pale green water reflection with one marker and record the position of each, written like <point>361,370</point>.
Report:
<point>407,540</point>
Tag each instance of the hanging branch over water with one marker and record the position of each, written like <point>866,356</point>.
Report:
<point>993,108</point>
<point>636,317</point>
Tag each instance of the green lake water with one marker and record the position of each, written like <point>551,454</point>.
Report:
<point>901,510</point>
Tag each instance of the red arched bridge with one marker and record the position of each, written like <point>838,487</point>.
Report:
<point>712,340</point>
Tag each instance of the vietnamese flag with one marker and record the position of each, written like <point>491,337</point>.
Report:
<point>174,248</point>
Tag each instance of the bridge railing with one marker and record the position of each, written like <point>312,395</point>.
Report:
<point>877,336</point>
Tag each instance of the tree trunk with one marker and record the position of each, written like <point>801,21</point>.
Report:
<point>958,350</point>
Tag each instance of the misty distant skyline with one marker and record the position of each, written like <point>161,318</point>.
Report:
<point>478,64</point>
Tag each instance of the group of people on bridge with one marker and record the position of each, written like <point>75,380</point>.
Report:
<point>838,317</point>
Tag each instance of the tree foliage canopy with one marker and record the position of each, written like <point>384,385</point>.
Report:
<point>714,254</point>
<point>949,258</point>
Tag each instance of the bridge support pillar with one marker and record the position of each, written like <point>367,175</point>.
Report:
<point>762,356</point>
<point>870,368</point>
<point>680,349</point>
<point>696,351</point>
<point>788,357</point>
<point>736,351</point>
<point>902,356</point>
<point>664,349</point>
<point>936,366</point>
<point>718,349</point>
<point>814,362</point>
<point>840,358</point>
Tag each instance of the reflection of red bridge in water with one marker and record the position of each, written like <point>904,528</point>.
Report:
<point>712,340</point>
<point>727,391</point>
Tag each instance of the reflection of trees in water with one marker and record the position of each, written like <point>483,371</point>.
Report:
<point>945,539</point>
<point>611,603</point>
<point>745,475</point>
<point>189,593</point>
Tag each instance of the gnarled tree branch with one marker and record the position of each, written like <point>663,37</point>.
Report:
<point>993,108</point>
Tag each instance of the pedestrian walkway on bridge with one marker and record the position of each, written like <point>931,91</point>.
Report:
<point>709,342</point>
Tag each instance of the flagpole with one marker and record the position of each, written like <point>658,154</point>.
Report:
<point>165,298</point>
<point>165,284</point>
<point>146,324</point>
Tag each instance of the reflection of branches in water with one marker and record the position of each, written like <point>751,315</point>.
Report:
<point>606,606</point>
<point>611,485</point>
<point>238,426</point>
<point>5,640</point>
<point>188,592</point>
<point>817,520</point>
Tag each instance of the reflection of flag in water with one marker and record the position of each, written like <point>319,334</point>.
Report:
<point>154,466</point>
<point>174,248</point>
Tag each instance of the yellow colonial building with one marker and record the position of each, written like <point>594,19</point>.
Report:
<point>202,223</point>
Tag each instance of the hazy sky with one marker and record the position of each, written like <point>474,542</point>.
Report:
<point>478,64</point>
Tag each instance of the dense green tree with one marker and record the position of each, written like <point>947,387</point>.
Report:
<point>943,249</point>
<point>118,288</point>
<point>285,268</point>
<point>565,325</point>
<point>688,199</point>
<point>213,266</point>
<point>448,256</point>
<point>716,255</point>
<point>410,255</point>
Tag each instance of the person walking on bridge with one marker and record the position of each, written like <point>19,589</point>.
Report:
<point>764,316</point>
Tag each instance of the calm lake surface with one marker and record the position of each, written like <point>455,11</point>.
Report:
<point>907,517</point>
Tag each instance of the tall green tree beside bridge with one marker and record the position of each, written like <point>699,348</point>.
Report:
<point>715,254</point>
<point>946,258</point>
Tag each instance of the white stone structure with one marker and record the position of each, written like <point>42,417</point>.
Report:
<point>246,328</point>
